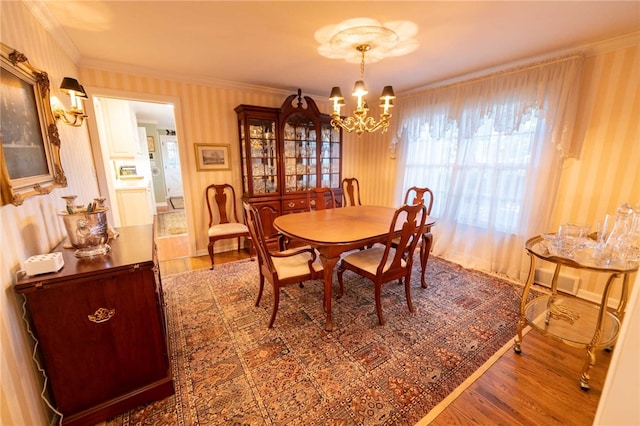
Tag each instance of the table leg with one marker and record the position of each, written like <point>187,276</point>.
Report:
<point>328,264</point>
<point>425,249</point>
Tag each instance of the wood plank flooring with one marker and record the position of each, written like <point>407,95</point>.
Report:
<point>538,387</point>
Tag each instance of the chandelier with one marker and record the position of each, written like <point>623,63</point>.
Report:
<point>363,39</point>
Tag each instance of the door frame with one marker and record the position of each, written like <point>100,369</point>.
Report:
<point>98,159</point>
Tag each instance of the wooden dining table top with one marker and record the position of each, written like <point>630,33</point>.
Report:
<point>345,225</point>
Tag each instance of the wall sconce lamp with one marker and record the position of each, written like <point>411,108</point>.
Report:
<point>75,116</point>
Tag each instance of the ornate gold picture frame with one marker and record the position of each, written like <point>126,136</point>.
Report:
<point>30,149</point>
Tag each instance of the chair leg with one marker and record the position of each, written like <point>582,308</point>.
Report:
<point>251,248</point>
<point>339,273</point>
<point>260,289</point>
<point>425,249</point>
<point>210,248</point>
<point>377,287</point>
<point>407,290</point>
<point>276,302</point>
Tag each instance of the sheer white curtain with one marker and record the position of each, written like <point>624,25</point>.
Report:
<point>491,149</point>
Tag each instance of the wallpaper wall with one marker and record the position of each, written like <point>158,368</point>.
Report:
<point>34,227</point>
<point>605,175</point>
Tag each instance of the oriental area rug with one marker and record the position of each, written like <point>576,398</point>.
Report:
<point>229,368</point>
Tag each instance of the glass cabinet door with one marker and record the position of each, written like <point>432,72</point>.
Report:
<point>300,154</point>
<point>329,156</point>
<point>261,169</point>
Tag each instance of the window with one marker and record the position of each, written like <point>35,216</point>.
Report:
<point>490,172</point>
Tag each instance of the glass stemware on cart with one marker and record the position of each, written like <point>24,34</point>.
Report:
<point>615,242</point>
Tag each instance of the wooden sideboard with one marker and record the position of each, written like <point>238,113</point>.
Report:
<point>101,329</point>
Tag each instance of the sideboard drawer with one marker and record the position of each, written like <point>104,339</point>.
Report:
<point>294,205</point>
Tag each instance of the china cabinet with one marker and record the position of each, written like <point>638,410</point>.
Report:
<point>101,329</point>
<point>285,152</point>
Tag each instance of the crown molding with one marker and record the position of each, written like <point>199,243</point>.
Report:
<point>591,49</point>
<point>41,12</point>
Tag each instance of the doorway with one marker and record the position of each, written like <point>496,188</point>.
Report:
<point>154,121</point>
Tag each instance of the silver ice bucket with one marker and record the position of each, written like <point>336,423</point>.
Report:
<point>87,232</point>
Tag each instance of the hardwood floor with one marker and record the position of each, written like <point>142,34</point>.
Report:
<point>538,387</point>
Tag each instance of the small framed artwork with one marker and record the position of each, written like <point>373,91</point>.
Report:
<point>212,157</point>
<point>151,144</point>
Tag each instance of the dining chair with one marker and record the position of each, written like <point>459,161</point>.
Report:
<point>350,192</point>
<point>280,268</point>
<point>381,264</point>
<point>321,198</point>
<point>223,216</point>
<point>418,195</point>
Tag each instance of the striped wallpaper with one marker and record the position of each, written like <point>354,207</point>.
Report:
<point>605,175</point>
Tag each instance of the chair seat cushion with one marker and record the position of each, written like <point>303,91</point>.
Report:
<point>369,259</point>
<point>294,266</point>
<point>227,229</point>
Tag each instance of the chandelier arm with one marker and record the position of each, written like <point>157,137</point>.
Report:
<point>368,124</point>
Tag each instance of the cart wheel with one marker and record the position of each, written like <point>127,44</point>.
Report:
<point>584,385</point>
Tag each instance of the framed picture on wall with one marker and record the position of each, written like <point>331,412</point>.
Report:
<point>212,157</point>
<point>151,144</point>
<point>29,143</point>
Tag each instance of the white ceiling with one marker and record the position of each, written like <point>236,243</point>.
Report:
<point>273,44</point>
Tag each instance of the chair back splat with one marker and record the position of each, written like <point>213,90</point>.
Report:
<point>382,264</point>
<point>417,195</point>
<point>221,204</point>
<point>321,198</point>
<point>351,192</point>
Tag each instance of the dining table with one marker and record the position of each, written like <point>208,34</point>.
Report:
<point>334,231</point>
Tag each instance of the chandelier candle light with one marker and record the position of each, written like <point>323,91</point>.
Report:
<point>363,39</point>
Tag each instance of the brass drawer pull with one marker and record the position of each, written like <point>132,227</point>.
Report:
<point>292,205</point>
<point>102,315</point>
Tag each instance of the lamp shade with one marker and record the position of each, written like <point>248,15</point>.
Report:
<point>387,93</point>
<point>336,94</point>
<point>71,85</point>
<point>82,94</point>
<point>359,89</point>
